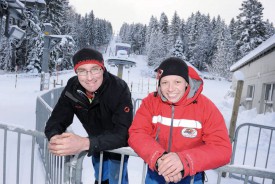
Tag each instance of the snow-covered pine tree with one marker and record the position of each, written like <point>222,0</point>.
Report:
<point>233,25</point>
<point>54,14</point>
<point>134,34</point>
<point>251,27</point>
<point>198,40</point>
<point>215,26</point>
<point>192,36</point>
<point>153,27</point>
<point>174,29</point>
<point>184,38</point>
<point>90,28</point>
<point>225,55</point>
<point>32,46</point>
<point>153,46</point>
<point>138,38</point>
<point>177,51</point>
<point>270,30</point>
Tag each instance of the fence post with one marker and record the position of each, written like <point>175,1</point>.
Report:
<point>42,81</point>
<point>240,79</point>
<point>235,109</point>
<point>120,71</point>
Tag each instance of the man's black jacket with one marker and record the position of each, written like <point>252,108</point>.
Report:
<point>106,120</point>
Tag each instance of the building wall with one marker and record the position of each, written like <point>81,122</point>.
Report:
<point>258,73</point>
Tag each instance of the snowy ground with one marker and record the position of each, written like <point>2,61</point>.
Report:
<point>18,99</point>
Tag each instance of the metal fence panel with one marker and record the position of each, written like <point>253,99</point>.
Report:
<point>255,150</point>
<point>18,154</point>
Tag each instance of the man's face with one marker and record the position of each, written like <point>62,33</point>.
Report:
<point>90,76</point>
<point>173,87</point>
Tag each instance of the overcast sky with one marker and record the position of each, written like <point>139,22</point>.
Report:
<point>140,11</point>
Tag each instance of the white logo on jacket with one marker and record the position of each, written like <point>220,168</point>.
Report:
<point>189,132</point>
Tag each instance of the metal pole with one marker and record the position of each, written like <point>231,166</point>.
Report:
<point>42,81</point>
<point>1,21</point>
<point>46,55</point>
<point>100,167</point>
<point>46,49</point>
<point>120,71</point>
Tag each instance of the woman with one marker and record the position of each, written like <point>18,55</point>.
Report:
<point>177,130</point>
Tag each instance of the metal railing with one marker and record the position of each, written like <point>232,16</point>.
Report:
<point>58,169</point>
<point>16,157</point>
<point>22,153</point>
<point>69,169</point>
<point>248,173</point>
<point>54,94</point>
<point>255,149</point>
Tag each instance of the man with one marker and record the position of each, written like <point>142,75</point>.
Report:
<point>102,102</point>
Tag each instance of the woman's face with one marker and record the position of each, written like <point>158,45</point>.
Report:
<point>90,76</point>
<point>173,87</point>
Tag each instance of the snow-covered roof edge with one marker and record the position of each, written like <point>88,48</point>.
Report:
<point>122,44</point>
<point>264,47</point>
<point>37,1</point>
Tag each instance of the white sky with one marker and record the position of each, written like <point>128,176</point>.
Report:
<point>133,11</point>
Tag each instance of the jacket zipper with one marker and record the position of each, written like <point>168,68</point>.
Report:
<point>69,95</point>
<point>171,129</point>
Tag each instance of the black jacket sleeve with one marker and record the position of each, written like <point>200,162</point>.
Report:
<point>61,117</point>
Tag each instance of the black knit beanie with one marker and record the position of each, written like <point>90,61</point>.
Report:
<point>87,56</point>
<point>173,66</point>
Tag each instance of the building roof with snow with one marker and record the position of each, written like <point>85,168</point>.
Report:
<point>35,1</point>
<point>123,44</point>
<point>258,52</point>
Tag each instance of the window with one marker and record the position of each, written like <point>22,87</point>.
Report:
<point>269,93</point>
<point>269,97</point>
<point>250,92</point>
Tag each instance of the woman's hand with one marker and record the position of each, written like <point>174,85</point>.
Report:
<point>170,167</point>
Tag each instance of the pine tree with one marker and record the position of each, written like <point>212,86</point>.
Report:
<point>32,45</point>
<point>225,55</point>
<point>192,36</point>
<point>152,53</point>
<point>251,28</point>
<point>178,49</point>
<point>199,38</point>
<point>90,28</point>
<point>174,29</point>
<point>54,14</point>
<point>270,30</point>
<point>153,27</point>
<point>163,34</point>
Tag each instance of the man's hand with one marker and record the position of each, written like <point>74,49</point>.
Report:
<point>170,167</point>
<point>68,144</point>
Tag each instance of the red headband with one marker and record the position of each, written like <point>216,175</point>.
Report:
<point>89,62</point>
